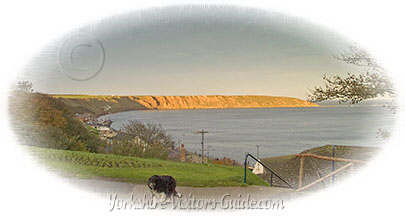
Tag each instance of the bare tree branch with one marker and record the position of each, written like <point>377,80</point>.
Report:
<point>355,88</point>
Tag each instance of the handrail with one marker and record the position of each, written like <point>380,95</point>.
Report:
<point>325,177</point>
<point>271,171</point>
<point>330,158</point>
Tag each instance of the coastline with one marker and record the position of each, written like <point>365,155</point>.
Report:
<point>103,105</point>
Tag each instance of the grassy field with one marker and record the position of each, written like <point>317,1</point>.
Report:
<point>138,170</point>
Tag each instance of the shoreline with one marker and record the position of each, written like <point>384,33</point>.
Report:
<point>232,155</point>
<point>236,108</point>
<point>104,105</point>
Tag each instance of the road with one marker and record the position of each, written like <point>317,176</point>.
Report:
<point>126,191</point>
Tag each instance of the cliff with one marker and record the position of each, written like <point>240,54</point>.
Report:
<point>100,105</point>
<point>219,102</point>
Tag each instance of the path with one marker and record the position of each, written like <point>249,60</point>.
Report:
<point>105,188</point>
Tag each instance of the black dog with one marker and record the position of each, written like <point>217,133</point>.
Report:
<point>164,186</point>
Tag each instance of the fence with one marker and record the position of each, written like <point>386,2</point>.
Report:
<point>332,174</point>
<point>318,167</point>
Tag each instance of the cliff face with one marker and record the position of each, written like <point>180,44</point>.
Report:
<point>100,105</point>
<point>219,102</point>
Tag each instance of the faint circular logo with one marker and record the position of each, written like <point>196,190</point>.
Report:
<point>81,57</point>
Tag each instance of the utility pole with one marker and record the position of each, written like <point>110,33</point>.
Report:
<point>182,150</point>
<point>202,132</point>
<point>257,155</point>
<point>209,148</point>
<point>182,138</point>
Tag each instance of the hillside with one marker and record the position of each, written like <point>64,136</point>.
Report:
<point>40,120</point>
<point>99,105</point>
<point>138,170</point>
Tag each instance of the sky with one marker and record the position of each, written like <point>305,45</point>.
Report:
<point>190,51</point>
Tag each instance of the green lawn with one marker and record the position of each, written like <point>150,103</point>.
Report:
<point>138,170</point>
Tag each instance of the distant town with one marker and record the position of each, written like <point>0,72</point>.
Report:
<point>102,126</point>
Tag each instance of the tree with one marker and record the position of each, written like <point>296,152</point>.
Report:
<point>143,140</point>
<point>370,84</point>
<point>25,86</point>
<point>355,88</point>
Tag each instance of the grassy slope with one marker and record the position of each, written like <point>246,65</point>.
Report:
<point>96,104</point>
<point>138,170</point>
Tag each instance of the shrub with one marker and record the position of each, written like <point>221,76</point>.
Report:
<point>143,140</point>
<point>43,121</point>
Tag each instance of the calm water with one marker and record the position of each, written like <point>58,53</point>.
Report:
<point>278,131</point>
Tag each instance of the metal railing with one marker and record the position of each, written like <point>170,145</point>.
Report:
<point>271,171</point>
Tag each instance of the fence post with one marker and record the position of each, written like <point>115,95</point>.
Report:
<point>244,167</point>
<point>333,163</point>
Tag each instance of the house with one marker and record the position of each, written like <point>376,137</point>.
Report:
<point>83,117</point>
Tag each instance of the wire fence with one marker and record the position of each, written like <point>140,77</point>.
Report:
<point>320,167</point>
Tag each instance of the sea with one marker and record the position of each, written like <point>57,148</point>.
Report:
<point>267,131</point>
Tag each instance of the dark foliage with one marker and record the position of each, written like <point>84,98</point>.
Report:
<point>143,140</point>
<point>43,121</point>
<point>354,88</point>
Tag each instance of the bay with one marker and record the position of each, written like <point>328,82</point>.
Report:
<point>278,131</point>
